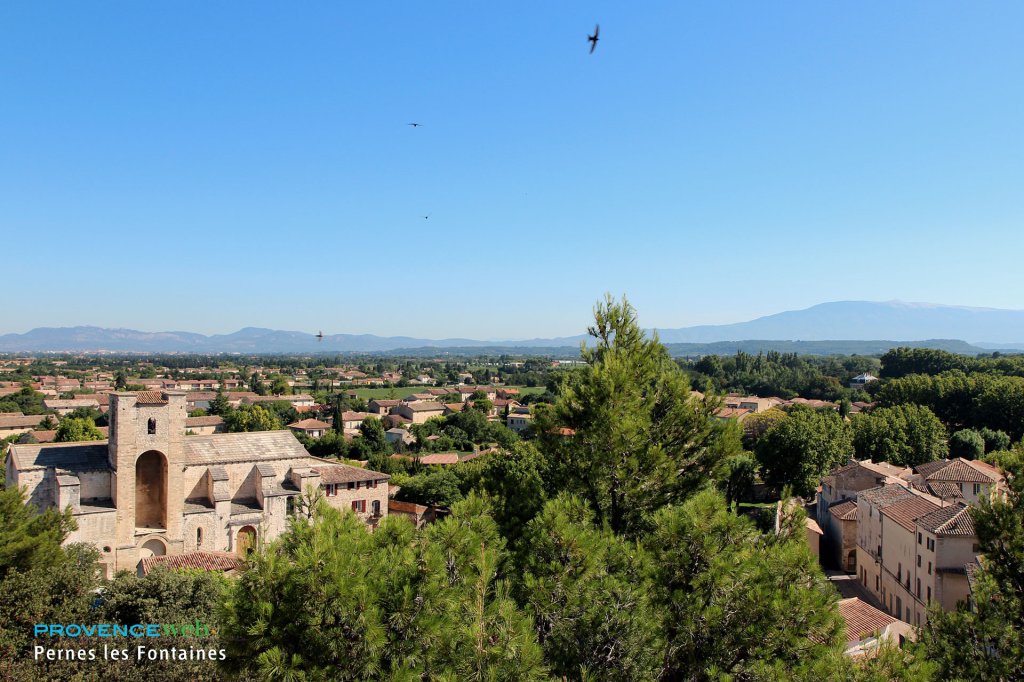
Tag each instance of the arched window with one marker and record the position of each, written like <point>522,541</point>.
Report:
<point>199,537</point>
<point>152,425</point>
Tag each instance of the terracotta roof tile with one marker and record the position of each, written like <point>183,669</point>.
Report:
<point>845,510</point>
<point>906,511</point>
<point>344,473</point>
<point>885,495</point>
<point>954,520</point>
<point>207,561</point>
<point>862,619</point>
<point>440,458</point>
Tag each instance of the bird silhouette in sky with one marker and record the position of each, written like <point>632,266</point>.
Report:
<point>319,336</point>
<point>593,39</point>
<point>415,125</point>
<point>427,217</point>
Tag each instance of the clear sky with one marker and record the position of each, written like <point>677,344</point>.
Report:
<point>205,166</point>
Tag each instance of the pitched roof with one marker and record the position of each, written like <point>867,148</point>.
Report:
<point>907,510</point>
<point>845,510</point>
<point>884,495</point>
<point>425,406</point>
<point>224,448</point>
<point>961,471</point>
<point>309,424</point>
<point>149,398</point>
<point>954,520</point>
<point>345,473</point>
<point>395,506</point>
<point>945,490</point>
<point>69,404</point>
<point>862,619</point>
<point>440,458</point>
<point>927,468</point>
<point>207,561</point>
<point>24,421</point>
<point>209,420</point>
<point>91,456</point>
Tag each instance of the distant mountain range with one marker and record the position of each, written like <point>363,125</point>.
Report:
<point>828,326</point>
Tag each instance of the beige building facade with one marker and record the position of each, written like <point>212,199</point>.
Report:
<point>151,490</point>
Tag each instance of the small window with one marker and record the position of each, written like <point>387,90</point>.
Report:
<point>919,536</point>
<point>918,588</point>
<point>199,537</point>
<point>152,426</point>
<point>977,488</point>
<point>929,568</point>
<point>919,561</point>
<point>929,594</point>
<point>351,485</point>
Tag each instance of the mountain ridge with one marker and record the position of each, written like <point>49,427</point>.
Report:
<point>983,328</point>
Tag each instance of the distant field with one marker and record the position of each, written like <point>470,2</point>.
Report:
<point>385,393</point>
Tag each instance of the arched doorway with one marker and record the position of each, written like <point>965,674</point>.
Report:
<point>245,541</point>
<point>152,547</point>
<point>151,490</point>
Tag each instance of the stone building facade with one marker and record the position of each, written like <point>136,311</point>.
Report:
<point>151,490</point>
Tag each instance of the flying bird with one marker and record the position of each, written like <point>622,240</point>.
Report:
<point>415,125</point>
<point>427,217</point>
<point>593,39</point>
<point>319,336</point>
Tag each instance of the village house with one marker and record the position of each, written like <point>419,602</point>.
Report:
<point>150,490</point>
<point>298,400</point>
<point>204,426</point>
<point>913,549</point>
<point>867,628</point>
<point>418,514</point>
<point>314,428</point>
<point>399,435</point>
<point>862,380</point>
<point>350,421</point>
<point>519,422</point>
<point>967,481</point>
<point>11,425</point>
<point>419,412</point>
<point>383,407</point>
<point>66,407</point>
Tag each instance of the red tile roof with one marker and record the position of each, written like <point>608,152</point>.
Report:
<point>440,458</point>
<point>845,510</point>
<point>905,512</point>
<point>862,619</point>
<point>207,561</point>
<point>344,473</point>
<point>955,520</point>
<point>309,425</point>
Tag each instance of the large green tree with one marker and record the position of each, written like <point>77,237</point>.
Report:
<point>801,448</point>
<point>330,601</point>
<point>639,439</point>
<point>72,430</point>
<point>734,602</point>
<point>586,590</point>
<point>906,435</point>
<point>251,418</point>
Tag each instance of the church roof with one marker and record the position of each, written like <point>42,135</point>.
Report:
<point>90,456</point>
<point>224,448</point>
<point>209,450</point>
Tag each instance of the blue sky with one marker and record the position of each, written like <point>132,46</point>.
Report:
<point>209,166</point>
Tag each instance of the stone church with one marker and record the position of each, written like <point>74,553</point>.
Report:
<point>151,490</point>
